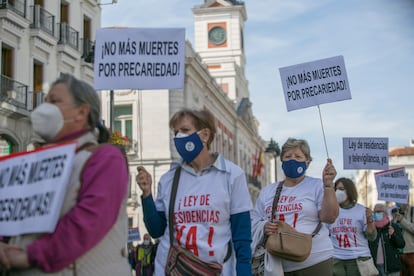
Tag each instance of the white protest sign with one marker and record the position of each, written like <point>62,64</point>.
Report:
<point>133,234</point>
<point>139,58</point>
<point>393,185</point>
<point>313,83</point>
<point>32,188</point>
<point>365,153</point>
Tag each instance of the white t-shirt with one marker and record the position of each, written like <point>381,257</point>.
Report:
<point>203,206</point>
<point>298,206</point>
<point>347,233</point>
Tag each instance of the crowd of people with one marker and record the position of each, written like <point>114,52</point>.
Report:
<point>202,205</point>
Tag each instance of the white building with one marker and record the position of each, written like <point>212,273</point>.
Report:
<point>214,80</point>
<point>39,40</point>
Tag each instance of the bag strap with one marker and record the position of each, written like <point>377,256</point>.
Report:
<point>172,201</point>
<point>274,206</point>
<point>276,199</point>
<point>171,212</point>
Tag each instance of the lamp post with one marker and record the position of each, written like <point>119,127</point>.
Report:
<point>274,149</point>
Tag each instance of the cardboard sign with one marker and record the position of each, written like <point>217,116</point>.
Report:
<point>32,188</point>
<point>133,234</point>
<point>314,83</point>
<point>393,185</point>
<point>139,58</point>
<point>365,153</point>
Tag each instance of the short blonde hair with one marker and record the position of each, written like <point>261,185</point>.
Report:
<point>201,119</point>
<point>292,143</point>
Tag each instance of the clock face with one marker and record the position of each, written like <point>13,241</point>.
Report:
<point>217,35</point>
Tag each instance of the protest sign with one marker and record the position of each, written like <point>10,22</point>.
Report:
<point>393,185</point>
<point>139,58</point>
<point>365,153</point>
<point>133,234</point>
<point>314,83</point>
<point>32,188</point>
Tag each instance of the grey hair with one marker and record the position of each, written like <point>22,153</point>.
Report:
<point>292,143</point>
<point>82,93</point>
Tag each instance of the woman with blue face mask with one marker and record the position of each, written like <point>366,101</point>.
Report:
<point>303,202</point>
<point>212,204</point>
<point>351,231</point>
<point>385,249</point>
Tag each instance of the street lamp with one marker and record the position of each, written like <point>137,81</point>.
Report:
<point>274,149</point>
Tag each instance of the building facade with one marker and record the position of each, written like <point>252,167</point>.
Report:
<point>39,40</point>
<point>214,80</point>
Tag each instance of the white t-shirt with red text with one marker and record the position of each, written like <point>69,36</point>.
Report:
<point>347,233</point>
<point>203,205</point>
<point>298,206</point>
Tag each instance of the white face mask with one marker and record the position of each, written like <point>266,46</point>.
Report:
<point>146,242</point>
<point>47,121</point>
<point>340,196</point>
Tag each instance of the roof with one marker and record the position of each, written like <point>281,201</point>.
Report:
<point>402,151</point>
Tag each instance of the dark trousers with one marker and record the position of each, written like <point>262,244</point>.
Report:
<point>321,269</point>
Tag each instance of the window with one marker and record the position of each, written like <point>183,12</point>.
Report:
<point>5,147</point>
<point>87,28</point>
<point>7,61</point>
<point>64,13</point>
<point>37,83</point>
<point>123,120</point>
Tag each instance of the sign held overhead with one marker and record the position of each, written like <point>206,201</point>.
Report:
<point>139,58</point>
<point>313,83</point>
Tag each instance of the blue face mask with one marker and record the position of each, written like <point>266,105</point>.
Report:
<point>378,216</point>
<point>293,168</point>
<point>188,146</point>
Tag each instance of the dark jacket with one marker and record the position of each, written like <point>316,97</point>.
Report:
<point>390,245</point>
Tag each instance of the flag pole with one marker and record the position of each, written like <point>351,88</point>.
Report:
<point>323,132</point>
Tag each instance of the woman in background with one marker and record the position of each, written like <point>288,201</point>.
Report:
<point>385,248</point>
<point>351,230</point>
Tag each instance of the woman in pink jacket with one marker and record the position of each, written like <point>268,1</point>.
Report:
<point>91,233</point>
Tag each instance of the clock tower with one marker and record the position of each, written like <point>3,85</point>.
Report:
<point>218,38</point>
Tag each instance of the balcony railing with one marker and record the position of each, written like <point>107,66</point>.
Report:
<point>132,147</point>
<point>68,36</point>
<point>43,20</point>
<point>18,6</point>
<point>38,98</point>
<point>13,92</point>
<point>88,50</point>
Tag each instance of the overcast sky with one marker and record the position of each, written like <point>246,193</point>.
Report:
<point>376,38</point>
